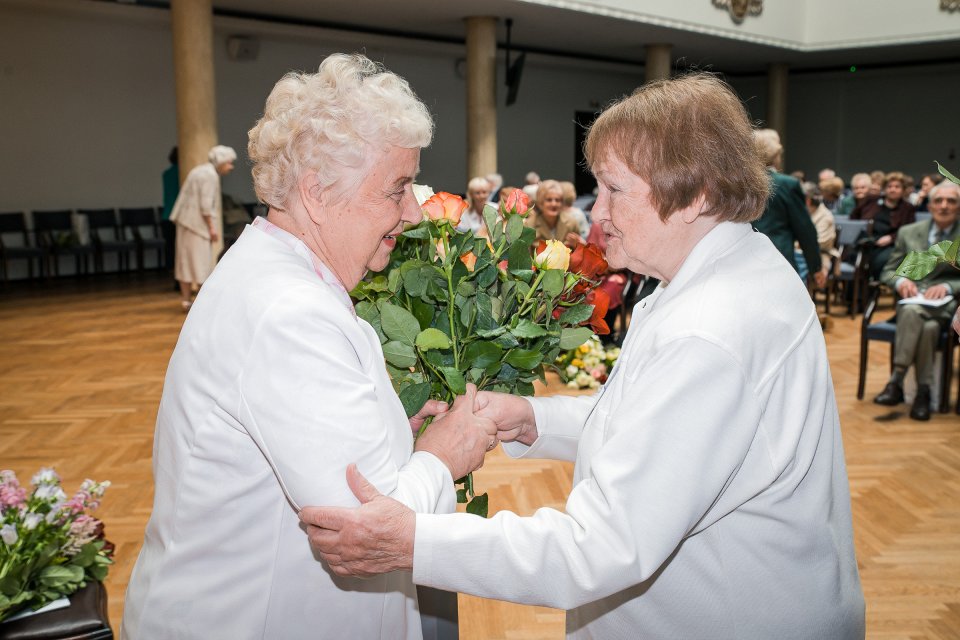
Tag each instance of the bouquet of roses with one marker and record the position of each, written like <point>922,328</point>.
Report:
<point>587,366</point>
<point>49,544</point>
<point>455,307</point>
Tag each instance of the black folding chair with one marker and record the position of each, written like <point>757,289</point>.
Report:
<point>141,224</point>
<point>56,234</point>
<point>107,238</point>
<point>18,245</point>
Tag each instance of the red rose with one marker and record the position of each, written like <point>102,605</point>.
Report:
<point>601,303</point>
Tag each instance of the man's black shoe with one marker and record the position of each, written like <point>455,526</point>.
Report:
<point>921,404</point>
<point>891,395</point>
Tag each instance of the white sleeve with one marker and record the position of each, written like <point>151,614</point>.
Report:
<point>665,460</point>
<point>312,409</point>
<point>560,421</point>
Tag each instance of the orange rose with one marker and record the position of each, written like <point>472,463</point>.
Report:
<point>469,259</point>
<point>444,206</point>
<point>516,203</point>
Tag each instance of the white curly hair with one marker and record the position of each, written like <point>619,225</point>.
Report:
<point>332,122</point>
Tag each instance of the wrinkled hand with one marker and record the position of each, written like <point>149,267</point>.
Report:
<point>820,278</point>
<point>376,537</point>
<point>936,292</point>
<point>907,289</point>
<point>512,415</point>
<point>459,438</point>
<point>431,408</point>
<point>572,240</point>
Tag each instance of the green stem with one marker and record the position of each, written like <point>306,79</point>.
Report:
<point>451,306</point>
<point>533,289</point>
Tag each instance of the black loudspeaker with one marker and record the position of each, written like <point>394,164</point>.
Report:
<point>242,48</point>
<point>513,78</point>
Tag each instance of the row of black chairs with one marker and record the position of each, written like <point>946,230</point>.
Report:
<point>124,232</point>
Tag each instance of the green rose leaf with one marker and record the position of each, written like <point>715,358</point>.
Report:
<point>572,338</point>
<point>528,329</point>
<point>482,354</point>
<point>916,266</point>
<point>523,358</point>
<point>455,380</point>
<point>514,228</point>
<point>414,397</point>
<point>399,354</point>
<point>518,257</point>
<point>951,255</point>
<point>553,281</point>
<point>940,249</point>
<point>577,314</point>
<point>946,174</point>
<point>479,505</point>
<point>60,575</point>
<point>419,232</point>
<point>432,339</point>
<point>398,323</point>
<point>461,496</point>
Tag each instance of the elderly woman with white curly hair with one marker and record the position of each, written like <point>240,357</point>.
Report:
<point>197,214</point>
<point>276,385</point>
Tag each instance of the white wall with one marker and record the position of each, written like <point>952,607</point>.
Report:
<point>87,114</point>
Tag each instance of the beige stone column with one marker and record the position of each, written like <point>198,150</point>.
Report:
<point>657,64</point>
<point>481,96</point>
<point>192,23</point>
<point>777,80</point>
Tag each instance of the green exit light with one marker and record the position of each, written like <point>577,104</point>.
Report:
<point>853,68</point>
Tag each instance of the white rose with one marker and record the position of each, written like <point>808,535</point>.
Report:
<point>555,256</point>
<point>571,371</point>
<point>422,193</point>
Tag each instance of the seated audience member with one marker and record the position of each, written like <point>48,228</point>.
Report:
<point>919,326</point>
<point>549,218</point>
<point>860,188</point>
<point>496,181</point>
<point>826,174</point>
<point>569,195</point>
<point>919,198</point>
<point>831,193</point>
<point>826,229</point>
<point>531,184</point>
<point>478,192</point>
<point>888,214</point>
<point>876,183</point>
<point>799,174</point>
<point>785,219</point>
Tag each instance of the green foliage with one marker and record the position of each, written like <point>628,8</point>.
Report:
<point>444,324</point>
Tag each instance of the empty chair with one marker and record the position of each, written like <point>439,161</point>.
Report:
<point>17,245</point>
<point>851,269</point>
<point>107,237</point>
<point>56,234</point>
<point>145,231</point>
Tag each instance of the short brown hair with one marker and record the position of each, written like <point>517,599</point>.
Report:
<point>686,137</point>
<point>895,176</point>
<point>831,187</point>
<point>546,187</point>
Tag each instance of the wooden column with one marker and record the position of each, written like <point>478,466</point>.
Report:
<point>777,80</point>
<point>657,63</point>
<point>481,96</point>
<point>192,23</point>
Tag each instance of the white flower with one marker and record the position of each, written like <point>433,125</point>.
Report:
<point>554,256</point>
<point>571,371</point>
<point>573,385</point>
<point>584,379</point>
<point>31,520</point>
<point>50,493</point>
<point>8,533</point>
<point>422,193</point>
<point>45,476</point>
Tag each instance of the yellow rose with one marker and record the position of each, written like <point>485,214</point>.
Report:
<point>554,256</point>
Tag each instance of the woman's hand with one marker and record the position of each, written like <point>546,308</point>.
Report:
<point>572,240</point>
<point>512,415</point>
<point>459,438</point>
<point>432,408</point>
<point>884,241</point>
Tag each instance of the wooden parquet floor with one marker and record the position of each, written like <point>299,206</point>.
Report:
<point>82,366</point>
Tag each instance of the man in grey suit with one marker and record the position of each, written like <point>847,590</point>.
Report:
<point>919,326</point>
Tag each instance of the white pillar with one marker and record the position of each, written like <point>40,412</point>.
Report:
<point>481,96</point>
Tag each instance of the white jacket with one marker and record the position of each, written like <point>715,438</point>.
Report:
<point>273,389</point>
<point>710,493</point>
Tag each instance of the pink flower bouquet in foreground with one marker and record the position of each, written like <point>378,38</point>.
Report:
<point>50,545</point>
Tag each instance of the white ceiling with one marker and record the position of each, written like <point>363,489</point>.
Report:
<point>548,29</point>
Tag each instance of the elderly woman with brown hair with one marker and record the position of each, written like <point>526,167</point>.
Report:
<point>276,384</point>
<point>710,494</point>
<point>888,214</point>
<point>550,219</point>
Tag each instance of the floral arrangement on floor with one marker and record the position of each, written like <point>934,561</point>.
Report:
<point>50,545</point>
<point>454,307</point>
<point>587,366</point>
<point>917,265</point>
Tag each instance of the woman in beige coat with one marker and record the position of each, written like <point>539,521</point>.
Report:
<point>197,216</point>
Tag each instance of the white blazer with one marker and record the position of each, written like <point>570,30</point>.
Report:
<point>710,493</point>
<point>273,389</point>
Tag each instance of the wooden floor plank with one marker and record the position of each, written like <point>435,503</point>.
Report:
<point>82,366</point>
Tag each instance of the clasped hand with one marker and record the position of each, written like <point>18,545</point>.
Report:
<point>377,537</point>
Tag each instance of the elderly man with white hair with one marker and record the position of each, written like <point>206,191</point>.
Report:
<point>197,214</point>
<point>276,385</point>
